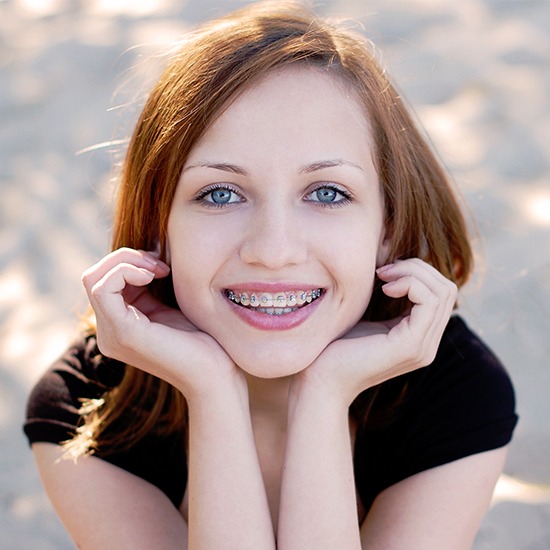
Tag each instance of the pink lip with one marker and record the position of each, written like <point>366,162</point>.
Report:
<point>264,321</point>
<point>272,287</point>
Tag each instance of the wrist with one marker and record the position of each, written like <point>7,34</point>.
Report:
<point>226,393</point>
<point>308,392</point>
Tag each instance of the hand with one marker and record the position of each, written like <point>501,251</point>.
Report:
<point>371,353</point>
<point>136,328</point>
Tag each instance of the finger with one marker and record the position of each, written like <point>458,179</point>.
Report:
<point>106,296</point>
<point>411,287</point>
<point>443,288</point>
<point>432,299</point>
<point>142,299</point>
<point>411,266</point>
<point>425,312</point>
<point>139,258</point>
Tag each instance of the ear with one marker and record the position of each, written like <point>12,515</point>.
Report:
<point>383,250</point>
<point>158,250</point>
<point>168,258</point>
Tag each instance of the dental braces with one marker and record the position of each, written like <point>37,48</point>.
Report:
<point>278,300</point>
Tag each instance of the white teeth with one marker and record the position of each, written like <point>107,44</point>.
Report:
<point>276,310</point>
<point>277,303</point>
<point>266,300</point>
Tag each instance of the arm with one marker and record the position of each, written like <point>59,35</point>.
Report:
<point>318,496</point>
<point>318,506</point>
<point>103,506</point>
<point>227,499</point>
<point>440,508</point>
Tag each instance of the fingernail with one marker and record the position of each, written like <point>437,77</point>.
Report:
<point>163,265</point>
<point>150,260</point>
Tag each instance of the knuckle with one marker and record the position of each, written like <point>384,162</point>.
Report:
<point>449,293</point>
<point>96,291</point>
<point>432,300</point>
<point>125,254</point>
<point>425,357</point>
<point>453,290</point>
<point>429,356</point>
<point>86,276</point>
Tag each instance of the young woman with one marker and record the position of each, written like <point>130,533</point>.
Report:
<point>273,361</point>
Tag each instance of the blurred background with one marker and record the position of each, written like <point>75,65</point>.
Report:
<point>72,72</point>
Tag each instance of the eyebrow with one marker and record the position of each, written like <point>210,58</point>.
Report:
<point>305,169</point>
<point>319,165</point>
<point>225,166</point>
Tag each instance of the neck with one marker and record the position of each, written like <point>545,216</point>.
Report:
<point>268,397</point>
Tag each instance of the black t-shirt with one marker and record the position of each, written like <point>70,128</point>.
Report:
<point>461,404</point>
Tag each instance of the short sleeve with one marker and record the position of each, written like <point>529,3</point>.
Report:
<point>81,374</point>
<point>462,404</point>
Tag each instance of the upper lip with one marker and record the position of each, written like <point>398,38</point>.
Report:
<point>272,287</point>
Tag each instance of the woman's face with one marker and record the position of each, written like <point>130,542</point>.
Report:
<point>276,227</point>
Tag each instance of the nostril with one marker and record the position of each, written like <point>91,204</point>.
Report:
<point>274,241</point>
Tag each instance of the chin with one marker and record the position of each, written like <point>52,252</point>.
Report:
<point>273,362</point>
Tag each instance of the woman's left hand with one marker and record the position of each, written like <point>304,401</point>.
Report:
<point>371,353</point>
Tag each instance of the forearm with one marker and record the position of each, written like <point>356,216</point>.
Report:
<point>318,504</point>
<point>227,500</point>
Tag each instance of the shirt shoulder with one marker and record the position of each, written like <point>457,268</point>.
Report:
<point>80,374</point>
<point>465,400</point>
<point>461,404</point>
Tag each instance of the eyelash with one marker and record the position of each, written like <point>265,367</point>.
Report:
<point>347,197</point>
<point>201,196</point>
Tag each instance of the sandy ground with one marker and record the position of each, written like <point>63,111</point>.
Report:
<point>476,71</point>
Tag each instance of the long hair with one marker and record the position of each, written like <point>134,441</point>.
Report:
<point>214,65</point>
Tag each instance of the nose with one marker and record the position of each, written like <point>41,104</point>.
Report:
<point>274,238</point>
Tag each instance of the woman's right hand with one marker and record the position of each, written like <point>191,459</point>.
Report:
<point>136,328</point>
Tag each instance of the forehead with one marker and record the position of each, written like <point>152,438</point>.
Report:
<point>297,104</point>
<point>303,86</point>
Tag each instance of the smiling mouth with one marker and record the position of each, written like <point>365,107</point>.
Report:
<point>278,303</point>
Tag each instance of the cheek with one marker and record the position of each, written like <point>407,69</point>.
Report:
<point>358,274</point>
<point>202,238</point>
<point>196,261</point>
<point>188,266</point>
<point>184,289</point>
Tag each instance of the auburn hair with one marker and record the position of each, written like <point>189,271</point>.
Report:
<point>212,66</point>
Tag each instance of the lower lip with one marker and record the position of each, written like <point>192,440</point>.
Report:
<point>265,321</point>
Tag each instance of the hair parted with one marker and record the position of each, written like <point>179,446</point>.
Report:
<point>215,64</point>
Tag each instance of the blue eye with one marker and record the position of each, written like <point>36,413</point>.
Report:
<point>329,195</point>
<point>218,195</point>
<point>221,196</point>
<point>326,194</point>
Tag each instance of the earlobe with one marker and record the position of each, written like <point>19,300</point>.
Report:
<point>162,252</point>
<point>168,258</point>
<point>383,251</point>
